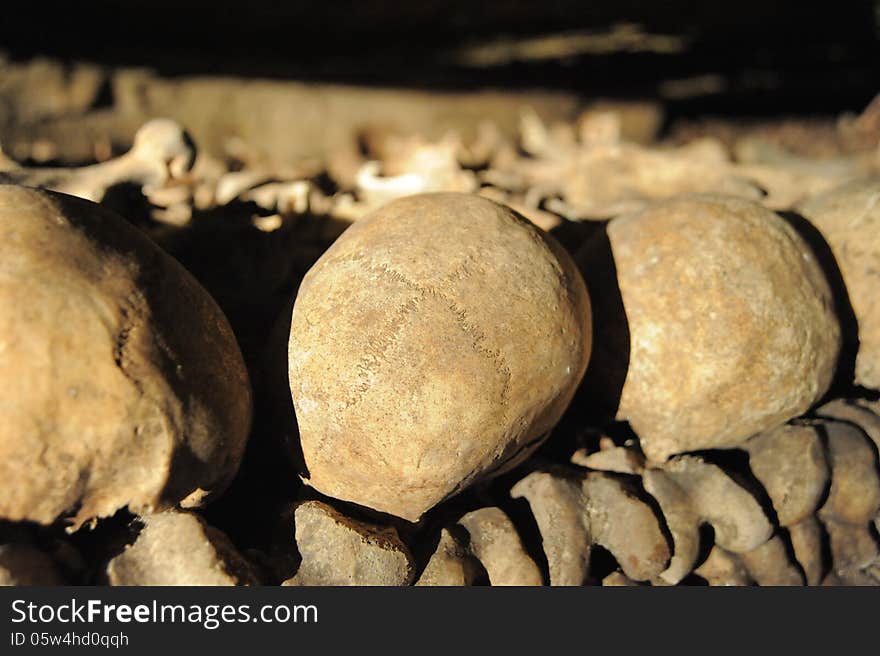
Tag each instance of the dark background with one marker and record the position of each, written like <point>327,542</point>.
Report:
<point>792,57</point>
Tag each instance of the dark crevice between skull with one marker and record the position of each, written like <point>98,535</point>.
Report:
<point>593,409</point>
<point>280,558</point>
<point>573,235</point>
<point>254,277</point>
<point>106,540</point>
<point>598,398</point>
<point>221,249</point>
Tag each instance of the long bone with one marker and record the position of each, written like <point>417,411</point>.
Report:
<point>162,151</point>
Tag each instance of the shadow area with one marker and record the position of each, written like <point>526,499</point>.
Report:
<point>254,276</point>
<point>598,398</point>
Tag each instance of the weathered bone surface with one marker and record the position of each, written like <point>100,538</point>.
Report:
<point>769,564</point>
<point>860,578</point>
<point>731,323</point>
<point>626,526</point>
<point>739,521</point>
<point>559,506</point>
<point>450,565</point>
<point>681,520</point>
<point>435,343</point>
<point>849,219</point>
<point>873,406</point>
<point>339,550</point>
<point>619,459</point>
<point>789,461</point>
<point>722,568</point>
<point>162,151</point>
<point>123,383</point>
<point>574,511</point>
<point>495,542</point>
<point>853,550</point>
<point>854,495</point>
<point>806,541</point>
<point>175,548</point>
<point>853,413</point>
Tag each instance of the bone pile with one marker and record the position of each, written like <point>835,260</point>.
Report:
<point>751,461</point>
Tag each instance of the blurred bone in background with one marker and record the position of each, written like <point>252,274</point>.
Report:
<point>176,59</point>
